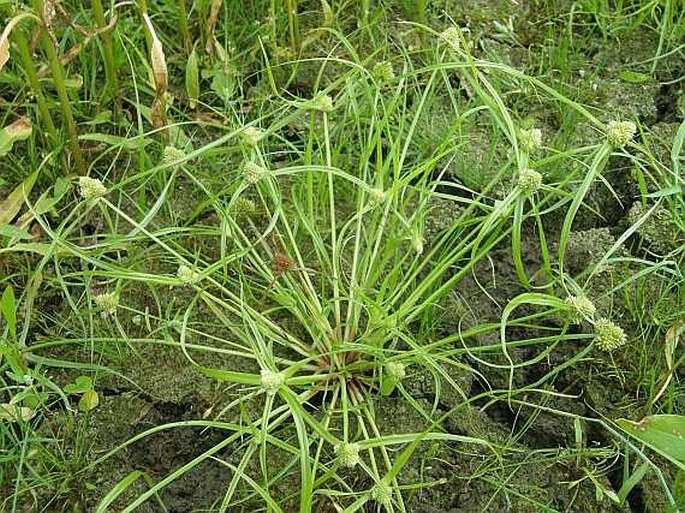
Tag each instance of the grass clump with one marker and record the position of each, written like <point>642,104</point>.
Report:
<point>381,260</point>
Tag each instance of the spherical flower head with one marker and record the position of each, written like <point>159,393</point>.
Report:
<point>252,172</point>
<point>383,71</point>
<point>609,336</point>
<point>529,181</point>
<point>107,302</point>
<point>381,493</point>
<point>91,188</point>
<point>620,133</point>
<point>395,370</point>
<point>187,275</point>
<point>251,135</point>
<point>377,196</point>
<point>347,453</point>
<point>172,154</point>
<point>323,102</point>
<point>531,140</point>
<point>243,207</point>
<point>584,308</point>
<point>272,381</point>
<point>451,37</point>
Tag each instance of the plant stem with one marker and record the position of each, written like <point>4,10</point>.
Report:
<point>34,83</point>
<point>183,23</point>
<point>65,104</point>
<point>293,25</point>
<point>110,66</point>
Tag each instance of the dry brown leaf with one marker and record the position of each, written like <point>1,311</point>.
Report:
<point>13,412</point>
<point>20,129</point>
<point>4,51</point>
<point>11,206</point>
<point>49,15</point>
<point>159,67</point>
<point>75,50</point>
<point>17,131</point>
<point>5,36</point>
<point>211,25</point>
<point>157,59</point>
<point>158,111</point>
<point>208,118</point>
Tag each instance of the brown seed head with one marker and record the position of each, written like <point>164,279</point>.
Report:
<point>282,263</point>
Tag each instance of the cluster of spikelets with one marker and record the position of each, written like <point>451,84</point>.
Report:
<point>529,181</point>
<point>608,335</point>
<point>187,275</point>
<point>91,188</point>
<point>272,381</point>
<point>530,139</point>
<point>347,454</point>
<point>107,302</point>
<point>253,172</point>
<point>620,133</point>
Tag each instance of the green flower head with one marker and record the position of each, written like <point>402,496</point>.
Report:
<point>382,493</point>
<point>451,37</point>
<point>322,102</point>
<point>609,336</point>
<point>347,453</point>
<point>377,196</point>
<point>620,133</point>
<point>91,188</point>
<point>172,154</point>
<point>188,276</point>
<point>383,71</point>
<point>251,135</point>
<point>107,302</point>
<point>253,172</point>
<point>530,140</point>
<point>395,370</point>
<point>529,181</point>
<point>243,207</point>
<point>272,381</point>
<point>584,308</point>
